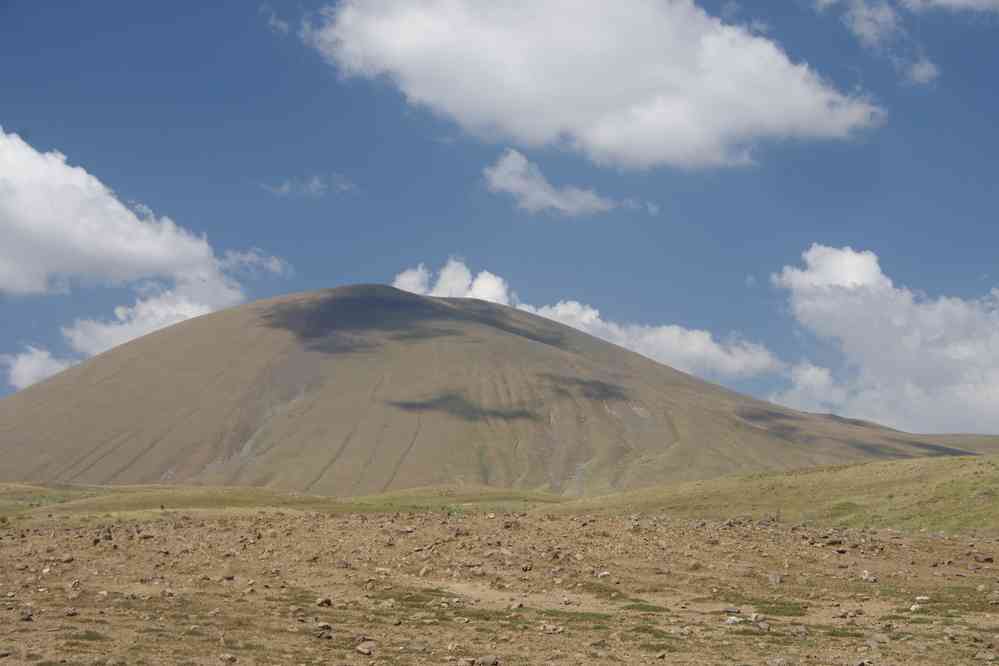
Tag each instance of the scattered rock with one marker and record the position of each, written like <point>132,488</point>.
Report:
<point>366,647</point>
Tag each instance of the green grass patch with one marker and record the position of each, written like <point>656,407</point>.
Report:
<point>654,632</point>
<point>643,607</point>
<point>412,597</point>
<point>88,635</point>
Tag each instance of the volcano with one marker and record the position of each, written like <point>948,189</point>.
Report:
<point>366,389</point>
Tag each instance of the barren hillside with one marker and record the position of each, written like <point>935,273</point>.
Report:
<point>367,389</point>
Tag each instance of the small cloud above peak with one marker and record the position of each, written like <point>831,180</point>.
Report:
<point>515,175</point>
<point>691,350</point>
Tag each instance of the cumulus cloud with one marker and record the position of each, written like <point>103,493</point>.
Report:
<point>515,175</point>
<point>637,84</point>
<point>59,224</point>
<point>31,366</point>
<point>315,186</point>
<point>691,350</point>
<point>455,280</point>
<point>912,361</point>
<point>63,228</point>
<point>158,308</point>
<point>812,389</point>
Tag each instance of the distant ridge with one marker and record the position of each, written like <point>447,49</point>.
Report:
<point>366,389</point>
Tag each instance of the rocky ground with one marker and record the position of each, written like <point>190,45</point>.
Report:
<point>462,587</point>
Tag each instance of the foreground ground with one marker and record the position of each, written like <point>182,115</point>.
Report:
<point>93,576</point>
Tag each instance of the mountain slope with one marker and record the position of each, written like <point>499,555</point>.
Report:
<point>365,389</point>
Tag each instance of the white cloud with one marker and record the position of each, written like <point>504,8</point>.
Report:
<point>812,389</point>
<point>32,366</point>
<point>922,71</point>
<point>455,281</point>
<point>315,186</point>
<point>514,175</point>
<point>694,351</point>
<point>63,228</point>
<point>874,24</point>
<point>254,261</point>
<point>152,311</point>
<point>414,280</point>
<point>636,84</point>
<point>833,267</point>
<point>276,24</point>
<point>60,224</point>
<point>691,350</point>
<point>954,5</point>
<point>911,361</point>
<point>880,26</point>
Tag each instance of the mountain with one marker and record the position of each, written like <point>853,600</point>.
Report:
<point>366,389</point>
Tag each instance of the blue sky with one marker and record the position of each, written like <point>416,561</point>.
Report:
<point>795,199</point>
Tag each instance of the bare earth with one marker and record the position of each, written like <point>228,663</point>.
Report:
<point>474,586</point>
<point>366,390</point>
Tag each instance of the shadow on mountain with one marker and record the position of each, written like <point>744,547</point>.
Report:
<point>426,333</point>
<point>343,320</point>
<point>458,405</point>
<point>340,344</point>
<point>779,424</point>
<point>937,450</point>
<point>592,389</point>
<point>854,422</point>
